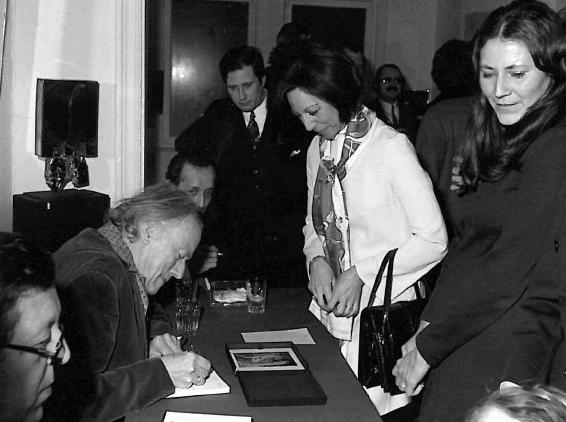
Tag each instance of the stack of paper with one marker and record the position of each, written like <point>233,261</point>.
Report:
<point>213,385</point>
<point>296,336</point>
<point>202,417</point>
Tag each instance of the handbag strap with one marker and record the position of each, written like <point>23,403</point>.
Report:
<point>387,259</point>
<point>389,280</point>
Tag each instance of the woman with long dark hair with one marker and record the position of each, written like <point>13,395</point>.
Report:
<point>506,243</point>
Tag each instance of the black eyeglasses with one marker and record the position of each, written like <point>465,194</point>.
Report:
<point>53,357</point>
<point>398,81</point>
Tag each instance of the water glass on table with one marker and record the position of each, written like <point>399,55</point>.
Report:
<point>256,289</point>
<point>184,291</point>
<point>188,319</point>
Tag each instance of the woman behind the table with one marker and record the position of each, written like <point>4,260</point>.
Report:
<point>504,263</point>
<point>367,194</point>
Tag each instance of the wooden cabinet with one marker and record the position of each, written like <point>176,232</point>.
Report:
<point>51,218</point>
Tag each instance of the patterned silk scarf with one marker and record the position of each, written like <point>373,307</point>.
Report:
<point>114,237</point>
<point>330,219</point>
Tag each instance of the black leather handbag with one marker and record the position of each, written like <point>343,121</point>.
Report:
<point>384,329</point>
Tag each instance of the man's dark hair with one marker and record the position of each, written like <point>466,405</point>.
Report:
<point>24,267</point>
<point>293,33</point>
<point>197,158</point>
<point>452,65</point>
<point>238,57</point>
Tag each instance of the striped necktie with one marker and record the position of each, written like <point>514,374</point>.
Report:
<point>394,120</point>
<point>253,129</point>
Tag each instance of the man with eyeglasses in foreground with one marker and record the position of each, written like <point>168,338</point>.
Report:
<point>31,339</point>
<point>389,105</point>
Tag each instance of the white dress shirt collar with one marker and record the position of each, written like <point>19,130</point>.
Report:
<point>260,115</point>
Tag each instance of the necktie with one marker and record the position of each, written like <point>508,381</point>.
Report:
<point>253,129</point>
<point>394,120</point>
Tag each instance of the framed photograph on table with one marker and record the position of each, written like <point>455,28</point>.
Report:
<point>270,372</point>
<point>265,359</point>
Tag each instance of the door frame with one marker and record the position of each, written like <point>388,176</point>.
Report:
<point>130,98</point>
<point>374,39</point>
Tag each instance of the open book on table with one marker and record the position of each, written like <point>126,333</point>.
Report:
<point>202,417</point>
<point>213,385</point>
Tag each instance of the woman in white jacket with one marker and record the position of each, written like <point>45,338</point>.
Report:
<point>367,194</point>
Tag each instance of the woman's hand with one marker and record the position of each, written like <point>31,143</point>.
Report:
<point>457,179</point>
<point>410,371</point>
<point>411,344</point>
<point>186,368</point>
<point>345,301</point>
<point>321,282</point>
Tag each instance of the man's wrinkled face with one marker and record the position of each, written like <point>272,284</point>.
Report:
<point>389,84</point>
<point>26,378</point>
<point>166,248</point>
<point>245,88</point>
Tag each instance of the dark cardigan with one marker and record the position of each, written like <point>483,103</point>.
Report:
<point>506,256</point>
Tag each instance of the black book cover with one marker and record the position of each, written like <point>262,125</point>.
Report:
<point>287,387</point>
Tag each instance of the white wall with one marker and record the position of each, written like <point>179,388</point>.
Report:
<point>489,5</point>
<point>410,38</point>
<point>103,40</point>
<point>72,39</point>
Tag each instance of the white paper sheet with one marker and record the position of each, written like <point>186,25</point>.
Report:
<point>297,336</point>
<point>202,417</point>
<point>213,385</point>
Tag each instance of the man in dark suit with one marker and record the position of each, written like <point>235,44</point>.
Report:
<point>442,134</point>
<point>194,174</point>
<point>260,193</point>
<point>389,106</point>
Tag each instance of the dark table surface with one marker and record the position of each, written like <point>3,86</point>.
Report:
<point>285,309</point>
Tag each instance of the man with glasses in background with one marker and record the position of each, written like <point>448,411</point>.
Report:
<point>389,106</point>
<point>31,339</point>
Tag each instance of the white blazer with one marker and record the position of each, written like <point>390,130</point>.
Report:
<point>391,204</point>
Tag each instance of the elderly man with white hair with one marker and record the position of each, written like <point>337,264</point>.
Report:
<point>124,357</point>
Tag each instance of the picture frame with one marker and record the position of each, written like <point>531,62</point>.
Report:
<point>269,373</point>
<point>280,358</point>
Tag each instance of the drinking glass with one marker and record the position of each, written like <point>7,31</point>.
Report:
<point>256,289</point>
<point>188,318</point>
